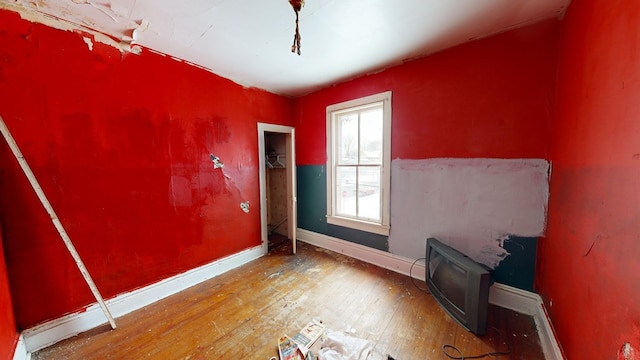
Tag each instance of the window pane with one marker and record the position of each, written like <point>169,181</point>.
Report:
<point>346,191</point>
<point>371,136</point>
<point>358,146</point>
<point>369,192</point>
<point>347,139</point>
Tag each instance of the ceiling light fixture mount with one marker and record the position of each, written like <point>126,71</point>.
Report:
<point>297,6</point>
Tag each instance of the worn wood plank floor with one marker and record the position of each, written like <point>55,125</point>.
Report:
<point>241,314</point>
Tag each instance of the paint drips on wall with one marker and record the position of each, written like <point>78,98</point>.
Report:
<point>473,205</point>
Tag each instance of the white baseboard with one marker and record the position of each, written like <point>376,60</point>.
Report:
<point>369,255</point>
<point>44,335</point>
<point>70,325</point>
<point>529,303</point>
<point>21,353</point>
<point>509,297</point>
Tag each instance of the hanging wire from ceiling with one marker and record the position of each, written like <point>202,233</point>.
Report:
<point>297,6</point>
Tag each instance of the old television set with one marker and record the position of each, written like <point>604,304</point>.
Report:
<point>459,284</point>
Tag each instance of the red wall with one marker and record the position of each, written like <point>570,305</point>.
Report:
<point>488,98</point>
<point>8,332</point>
<point>589,275</point>
<point>120,145</point>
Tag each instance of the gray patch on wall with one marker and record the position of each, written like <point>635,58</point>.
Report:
<point>245,206</point>
<point>472,205</point>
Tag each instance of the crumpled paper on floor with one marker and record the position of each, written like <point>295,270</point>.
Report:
<point>339,346</point>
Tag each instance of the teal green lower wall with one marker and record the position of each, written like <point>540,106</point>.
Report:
<point>312,198</point>
<point>312,210</point>
<point>516,270</point>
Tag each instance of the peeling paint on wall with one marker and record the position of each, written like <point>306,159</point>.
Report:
<point>217,163</point>
<point>49,14</point>
<point>626,352</point>
<point>473,205</point>
<point>136,49</point>
<point>103,8</point>
<point>89,42</point>
<point>143,26</point>
<point>245,206</point>
<point>148,184</point>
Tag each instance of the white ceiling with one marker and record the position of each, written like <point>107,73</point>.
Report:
<point>250,41</point>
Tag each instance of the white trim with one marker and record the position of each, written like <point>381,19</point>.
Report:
<point>373,256</point>
<point>274,128</point>
<point>530,304</point>
<point>359,225</point>
<point>67,326</point>
<point>21,353</point>
<point>381,227</point>
<point>292,188</point>
<point>291,181</point>
<point>509,297</point>
<point>512,298</point>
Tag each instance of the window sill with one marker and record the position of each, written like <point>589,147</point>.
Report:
<point>359,225</point>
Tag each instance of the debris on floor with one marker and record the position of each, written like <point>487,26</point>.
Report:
<point>340,346</point>
<point>335,345</point>
<point>308,335</point>
<point>289,349</point>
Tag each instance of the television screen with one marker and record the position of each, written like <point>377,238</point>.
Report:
<point>451,279</point>
<point>459,284</point>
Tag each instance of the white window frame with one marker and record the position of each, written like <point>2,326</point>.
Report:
<point>383,226</point>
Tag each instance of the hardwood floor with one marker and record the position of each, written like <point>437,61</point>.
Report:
<point>277,240</point>
<point>241,314</point>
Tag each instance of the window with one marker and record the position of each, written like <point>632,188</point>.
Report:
<point>358,163</point>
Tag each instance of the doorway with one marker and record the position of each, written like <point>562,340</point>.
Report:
<point>278,216</point>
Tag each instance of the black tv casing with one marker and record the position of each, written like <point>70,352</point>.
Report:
<point>459,280</point>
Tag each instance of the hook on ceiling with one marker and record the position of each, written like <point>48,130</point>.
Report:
<point>297,6</point>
